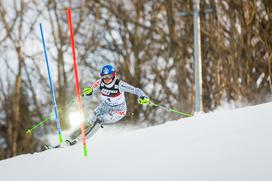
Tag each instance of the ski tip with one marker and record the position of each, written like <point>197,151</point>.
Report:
<point>45,147</point>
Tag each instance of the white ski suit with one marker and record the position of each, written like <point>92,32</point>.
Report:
<point>113,108</point>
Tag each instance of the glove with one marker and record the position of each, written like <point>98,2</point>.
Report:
<point>143,100</point>
<point>87,91</point>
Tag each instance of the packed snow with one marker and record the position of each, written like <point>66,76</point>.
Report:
<point>233,145</point>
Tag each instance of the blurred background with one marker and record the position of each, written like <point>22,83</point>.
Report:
<point>151,44</point>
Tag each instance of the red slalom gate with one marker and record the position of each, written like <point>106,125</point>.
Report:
<point>70,23</point>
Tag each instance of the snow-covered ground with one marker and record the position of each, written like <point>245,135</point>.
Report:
<point>221,146</point>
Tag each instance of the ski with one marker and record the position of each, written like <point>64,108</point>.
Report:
<point>66,144</point>
<point>90,130</point>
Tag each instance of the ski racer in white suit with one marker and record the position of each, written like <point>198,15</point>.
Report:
<point>113,107</point>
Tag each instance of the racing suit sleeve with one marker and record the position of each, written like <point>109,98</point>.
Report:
<point>125,87</point>
<point>95,86</point>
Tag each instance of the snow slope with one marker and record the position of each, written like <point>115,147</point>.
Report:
<point>221,146</point>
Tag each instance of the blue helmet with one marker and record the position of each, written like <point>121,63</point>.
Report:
<point>108,70</point>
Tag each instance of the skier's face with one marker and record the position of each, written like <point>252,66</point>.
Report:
<point>107,79</point>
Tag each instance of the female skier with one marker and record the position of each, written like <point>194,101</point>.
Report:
<point>113,106</point>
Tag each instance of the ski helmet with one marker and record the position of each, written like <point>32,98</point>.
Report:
<point>108,70</point>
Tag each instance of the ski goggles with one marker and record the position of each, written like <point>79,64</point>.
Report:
<point>107,76</point>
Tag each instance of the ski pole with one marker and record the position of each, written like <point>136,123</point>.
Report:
<point>39,124</point>
<point>29,131</point>
<point>170,109</point>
